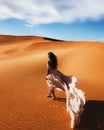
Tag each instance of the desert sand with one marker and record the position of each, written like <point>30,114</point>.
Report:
<point>23,90</point>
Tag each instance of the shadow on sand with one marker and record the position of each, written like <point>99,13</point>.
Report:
<point>60,99</point>
<point>52,39</point>
<point>93,116</point>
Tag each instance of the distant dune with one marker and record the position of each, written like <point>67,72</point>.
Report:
<point>23,90</point>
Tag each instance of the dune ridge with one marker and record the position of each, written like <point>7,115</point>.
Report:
<point>23,90</point>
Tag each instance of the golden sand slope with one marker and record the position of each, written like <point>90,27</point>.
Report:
<point>23,90</point>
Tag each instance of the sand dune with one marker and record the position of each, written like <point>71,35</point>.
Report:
<point>23,90</point>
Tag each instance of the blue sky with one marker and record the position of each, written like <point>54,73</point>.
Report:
<point>60,19</point>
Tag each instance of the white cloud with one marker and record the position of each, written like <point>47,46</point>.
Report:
<point>50,11</point>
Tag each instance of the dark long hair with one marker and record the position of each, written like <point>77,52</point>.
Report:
<point>52,63</point>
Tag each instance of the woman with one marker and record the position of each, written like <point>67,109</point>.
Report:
<point>75,97</point>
